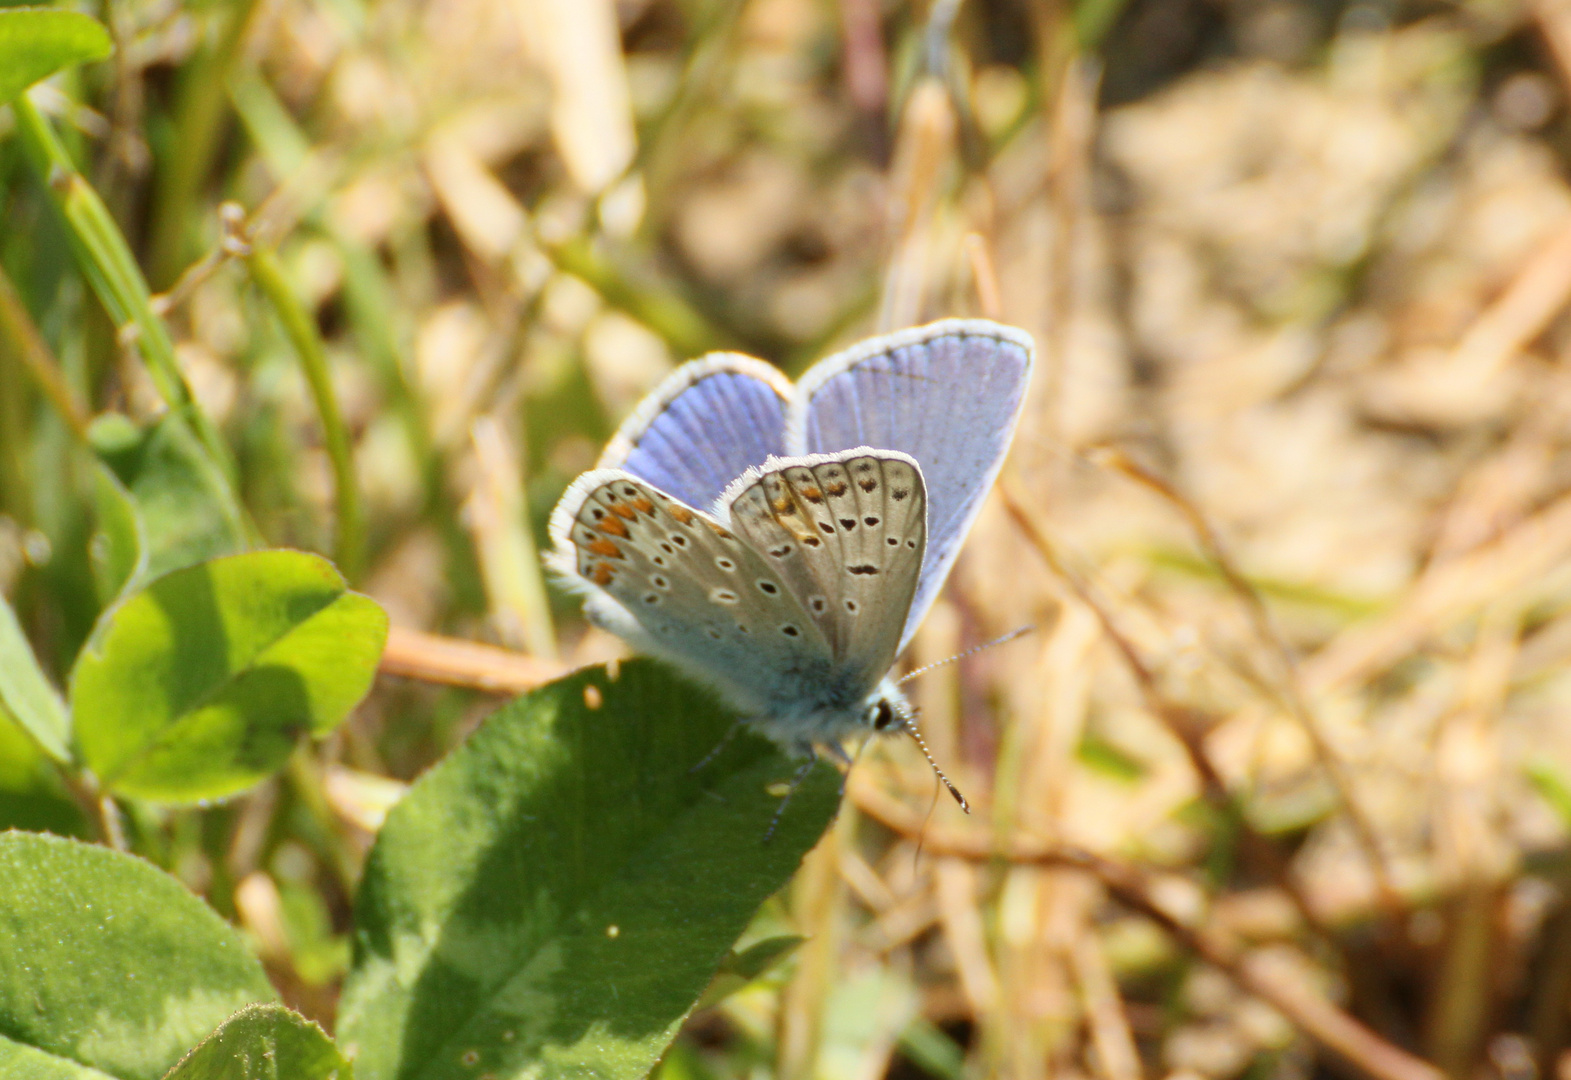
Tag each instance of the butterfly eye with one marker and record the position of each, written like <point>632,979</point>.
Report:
<point>883,715</point>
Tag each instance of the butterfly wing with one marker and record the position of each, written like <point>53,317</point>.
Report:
<point>947,394</point>
<point>846,532</point>
<point>703,427</point>
<point>676,583</point>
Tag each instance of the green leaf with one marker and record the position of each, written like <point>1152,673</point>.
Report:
<point>37,42</point>
<point>185,505</point>
<point>21,1062</point>
<point>264,1042</point>
<point>199,686</point>
<point>556,894</point>
<point>25,692</point>
<point>108,962</point>
<point>32,795</point>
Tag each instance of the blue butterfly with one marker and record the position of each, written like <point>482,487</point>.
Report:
<point>783,543</point>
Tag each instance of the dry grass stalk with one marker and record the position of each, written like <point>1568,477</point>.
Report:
<point>411,654</point>
<point>1260,972</point>
<point>961,918</point>
<point>1288,683</point>
<point>816,904</point>
<point>1444,595</point>
<point>1116,1054</point>
<point>926,147</point>
<point>579,45</point>
<point>511,567</point>
<point>1521,313</point>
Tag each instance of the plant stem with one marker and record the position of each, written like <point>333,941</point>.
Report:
<point>106,261</point>
<point>300,327</point>
<point>199,116</point>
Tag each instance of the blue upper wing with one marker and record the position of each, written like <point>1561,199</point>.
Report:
<point>703,427</point>
<point>948,394</point>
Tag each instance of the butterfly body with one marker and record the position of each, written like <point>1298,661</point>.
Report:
<point>790,581</point>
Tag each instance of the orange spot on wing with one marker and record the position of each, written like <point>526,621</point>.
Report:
<point>643,505</point>
<point>606,548</point>
<point>837,489</point>
<point>624,510</point>
<point>812,494</point>
<point>781,506</point>
<point>717,530</point>
<point>681,513</point>
<point>603,574</point>
<point>613,526</point>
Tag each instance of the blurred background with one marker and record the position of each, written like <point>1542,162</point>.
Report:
<point>1281,784</point>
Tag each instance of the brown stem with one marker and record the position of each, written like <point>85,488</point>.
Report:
<point>1186,724</point>
<point>454,662</point>
<point>1291,692</point>
<point>1252,970</point>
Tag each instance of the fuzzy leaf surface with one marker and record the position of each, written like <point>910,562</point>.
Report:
<point>557,893</point>
<point>108,963</point>
<point>264,1042</point>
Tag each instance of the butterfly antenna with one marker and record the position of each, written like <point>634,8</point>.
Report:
<point>909,723</point>
<point>1020,631</point>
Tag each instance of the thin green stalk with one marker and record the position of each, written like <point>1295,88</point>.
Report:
<point>349,547</point>
<point>106,261</point>
<point>199,117</point>
<point>681,326</point>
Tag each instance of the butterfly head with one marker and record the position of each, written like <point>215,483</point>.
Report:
<point>887,709</point>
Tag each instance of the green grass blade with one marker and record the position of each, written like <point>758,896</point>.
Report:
<point>300,327</point>
<point>105,259</point>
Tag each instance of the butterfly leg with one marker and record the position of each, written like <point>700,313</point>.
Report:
<point>719,746</point>
<point>838,752</point>
<point>796,782</point>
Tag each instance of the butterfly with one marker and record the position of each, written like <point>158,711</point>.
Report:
<point>782,543</point>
